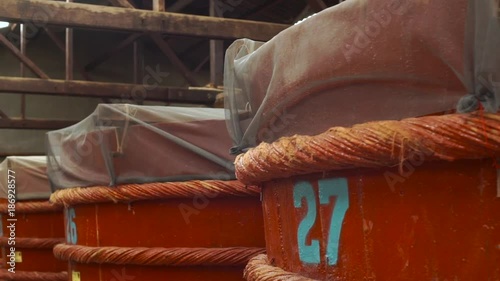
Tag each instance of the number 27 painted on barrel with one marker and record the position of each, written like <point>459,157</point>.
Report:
<point>337,187</point>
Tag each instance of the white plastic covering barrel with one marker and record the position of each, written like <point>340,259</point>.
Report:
<point>364,60</point>
<point>28,179</point>
<point>124,143</point>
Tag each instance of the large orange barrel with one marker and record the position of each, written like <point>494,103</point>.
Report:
<point>186,231</point>
<point>172,211</point>
<point>417,199</point>
<point>30,228</point>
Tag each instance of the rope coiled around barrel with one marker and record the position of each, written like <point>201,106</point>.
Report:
<point>33,276</point>
<point>32,243</point>
<point>373,145</point>
<point>237,256</point>
<point>31,207</point>
<point>150,191</point>
<point>259,269</point>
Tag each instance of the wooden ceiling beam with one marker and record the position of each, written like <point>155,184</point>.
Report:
<point>75,88</point>
<point>129,20</point>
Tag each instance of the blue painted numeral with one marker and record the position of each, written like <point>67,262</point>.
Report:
<point>308,253</point>
<point>71,233</point>
<point>328,188</point>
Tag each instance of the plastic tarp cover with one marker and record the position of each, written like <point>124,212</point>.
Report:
<point>29,175</point>
<point>363,60</point>
<point>123,143</point>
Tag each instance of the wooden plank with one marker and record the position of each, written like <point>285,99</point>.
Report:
<point>111,18</point>
<point>29,63</point>
<point>159,5</point>
<point>106,90</point>
<point>36,124</point>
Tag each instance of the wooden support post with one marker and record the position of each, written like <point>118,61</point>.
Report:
<point>22,32</point>
<point>159,5</point>
<point>138,62</point>
<point>216,55</point>
<point>69,51</point>
<point>27,62</point>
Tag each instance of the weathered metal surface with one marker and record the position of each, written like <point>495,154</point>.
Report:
<point>191,222</point>
<point>432,221</point>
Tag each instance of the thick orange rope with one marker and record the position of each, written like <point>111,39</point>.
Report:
<point>150,191</point>
<point>374,144</point>
<point>31,207</point>
<point>32,243</point>
<point>259,269</point>
<point>157,256</point>
<point>33,276</point>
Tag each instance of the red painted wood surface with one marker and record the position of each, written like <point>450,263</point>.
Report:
<point>218,223</point>
<point>36,225</point>
<point>441,222</point>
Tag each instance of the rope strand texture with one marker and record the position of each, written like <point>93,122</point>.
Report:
<point>33,276</point>
<point>31,207</point>
<point>150,191</point>
<point>32,243</point>
<point>259,269</point>
<point>157,256</point>
<point>374,144</point>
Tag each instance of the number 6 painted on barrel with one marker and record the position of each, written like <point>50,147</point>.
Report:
<point>338,187</point>
<point>71,233</point>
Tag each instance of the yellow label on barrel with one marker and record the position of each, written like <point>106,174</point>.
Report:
<point>75,276</point>
<point>19,257</point>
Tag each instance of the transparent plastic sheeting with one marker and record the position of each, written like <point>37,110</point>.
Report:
<point>362,61</point>
<point>30,177</point>
<point>122,143</point>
